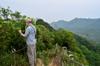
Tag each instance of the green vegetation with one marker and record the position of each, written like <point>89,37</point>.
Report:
<point>51,43</point>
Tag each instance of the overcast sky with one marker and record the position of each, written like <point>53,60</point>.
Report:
<point>53,10</point>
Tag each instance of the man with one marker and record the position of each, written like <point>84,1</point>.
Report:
<point>30,33</point>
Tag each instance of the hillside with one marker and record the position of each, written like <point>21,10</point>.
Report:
<point>88,28</point>
<point>54,47</point>
<point>49,44</point>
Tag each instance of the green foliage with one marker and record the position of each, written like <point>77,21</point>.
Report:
<point>89,50</point>
<point>13,60</point>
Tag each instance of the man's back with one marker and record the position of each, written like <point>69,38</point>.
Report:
<point>31,32</point>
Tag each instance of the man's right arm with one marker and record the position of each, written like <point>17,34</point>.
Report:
<point>26,32</point>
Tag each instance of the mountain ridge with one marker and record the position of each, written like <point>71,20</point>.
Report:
<point>86,27</point>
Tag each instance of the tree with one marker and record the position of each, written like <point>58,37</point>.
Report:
<point>5,12</point>
<point>16,15</point>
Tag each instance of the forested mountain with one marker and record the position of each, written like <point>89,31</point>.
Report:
<point>89,28</point>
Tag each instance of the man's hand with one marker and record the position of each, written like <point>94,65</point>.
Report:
<point>20,31</point>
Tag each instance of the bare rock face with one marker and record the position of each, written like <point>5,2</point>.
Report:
<point>55,61</point>
<point>39,62</point>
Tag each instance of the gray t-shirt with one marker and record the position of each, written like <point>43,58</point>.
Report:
<point>30,33</point>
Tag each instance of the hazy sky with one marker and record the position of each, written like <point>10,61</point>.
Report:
<point>53,10</point>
